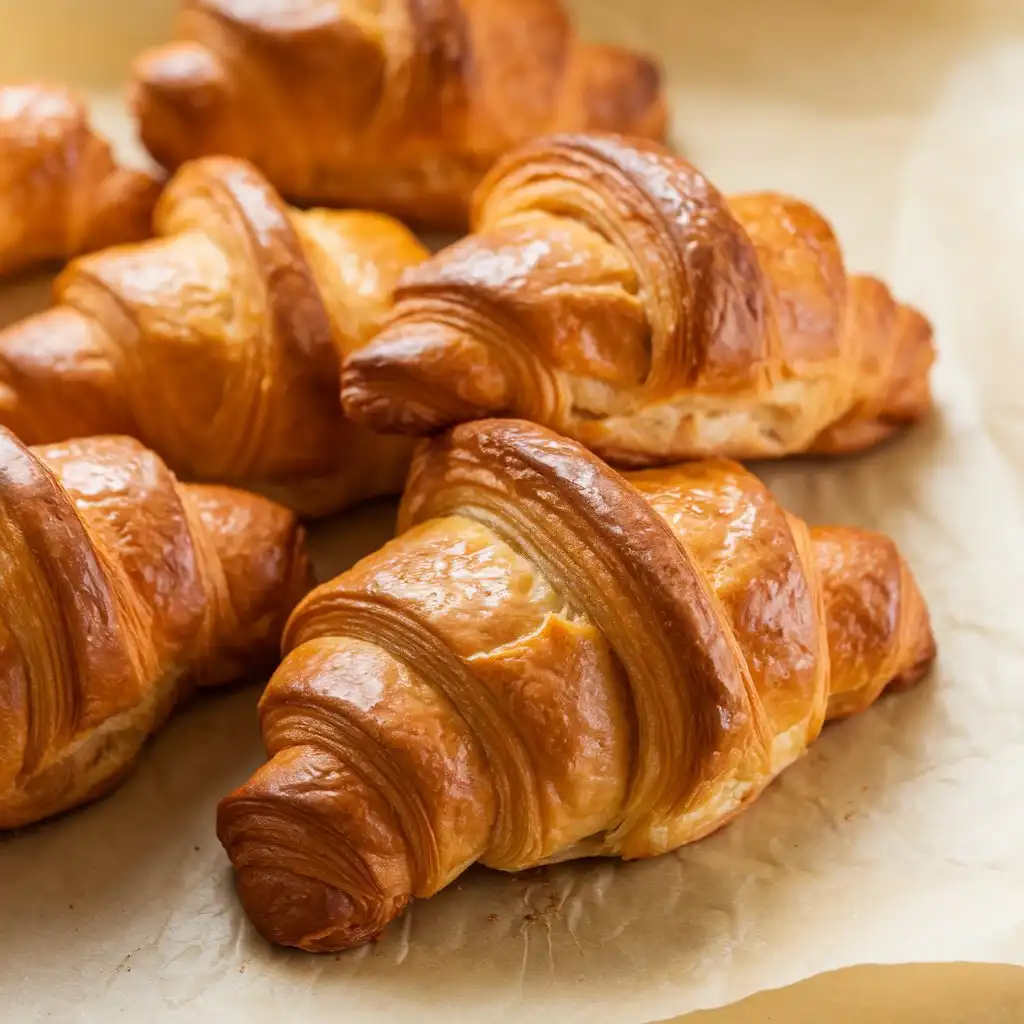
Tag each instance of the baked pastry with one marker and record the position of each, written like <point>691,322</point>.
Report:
<point>399,107</point>
<point>121,591</point>
<point>218,344</point>
<point>610,292</point>
<point>552,661</point>
<point>61,191</point>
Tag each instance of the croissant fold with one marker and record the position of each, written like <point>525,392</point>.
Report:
<point>122,590</point>
<point>218,344</point>
<point>61,191</point>
<point>551,661</point>
<point>400,106</point>
<point>609,291</point>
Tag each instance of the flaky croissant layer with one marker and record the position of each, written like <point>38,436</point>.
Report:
<point>219,343</point>
<point>400,105</point>
<point>121,590</point>
<point>551,661</point>
<point>61,191</point>
<point>610,292</point>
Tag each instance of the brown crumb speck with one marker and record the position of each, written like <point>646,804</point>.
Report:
<point>196,849</point>
<point>529,918</point>
<point>71,906</point>
<point>492,917</point>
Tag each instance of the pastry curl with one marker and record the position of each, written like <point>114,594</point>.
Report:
<point>551,661</point>
<point>610,292</point>
<point>61,191</point>
<point>400,106</point>
<point>218,344</point>
<point>120,591</point>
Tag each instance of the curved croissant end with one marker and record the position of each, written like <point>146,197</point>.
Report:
<point>610,292</point>
<point>121,589</point>
<point>401,110</point>
<point>551,661</point>
<point>218,344</point>
<point>61,192</point>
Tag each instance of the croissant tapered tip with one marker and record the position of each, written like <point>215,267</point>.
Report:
<point>920,649</point>
<point>291,909</point>
<point>622,91</point>
<point>302,881</point>
<point>421,377</point>
<point>179,94</point>
<point>263,555</point>
<point>123,211</point>
<point>391,409</point>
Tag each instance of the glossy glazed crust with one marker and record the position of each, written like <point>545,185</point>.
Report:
<point>61,191</point>
<point>218,344</point>
<point>551,661</point>
<point>400,107</point>
<point>609,291</point>
<point>121,590</point>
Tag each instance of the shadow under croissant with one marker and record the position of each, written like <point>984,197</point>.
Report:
<point>682,911</point>
<point>905,460</point>
<point>26,293</point>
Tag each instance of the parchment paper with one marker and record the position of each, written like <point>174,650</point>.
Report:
<point>898,839</point>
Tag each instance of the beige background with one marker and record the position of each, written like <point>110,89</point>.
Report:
<point>898,839</point>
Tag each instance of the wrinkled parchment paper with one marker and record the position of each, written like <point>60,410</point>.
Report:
<point>897,839</point>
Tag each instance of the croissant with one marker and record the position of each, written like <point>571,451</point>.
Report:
<point>610,292</point>
<point>218,344</point>
<point>61,192</point>
<point>552,661</point>
<point>399,106</point>
<point>121,591</point>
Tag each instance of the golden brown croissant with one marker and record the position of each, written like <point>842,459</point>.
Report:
<point>400,106</point>
<point>552,661</point>
<point>219,343</point>
<point>611,293</point>
<point>121,589</point>
<point>61,192</point>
